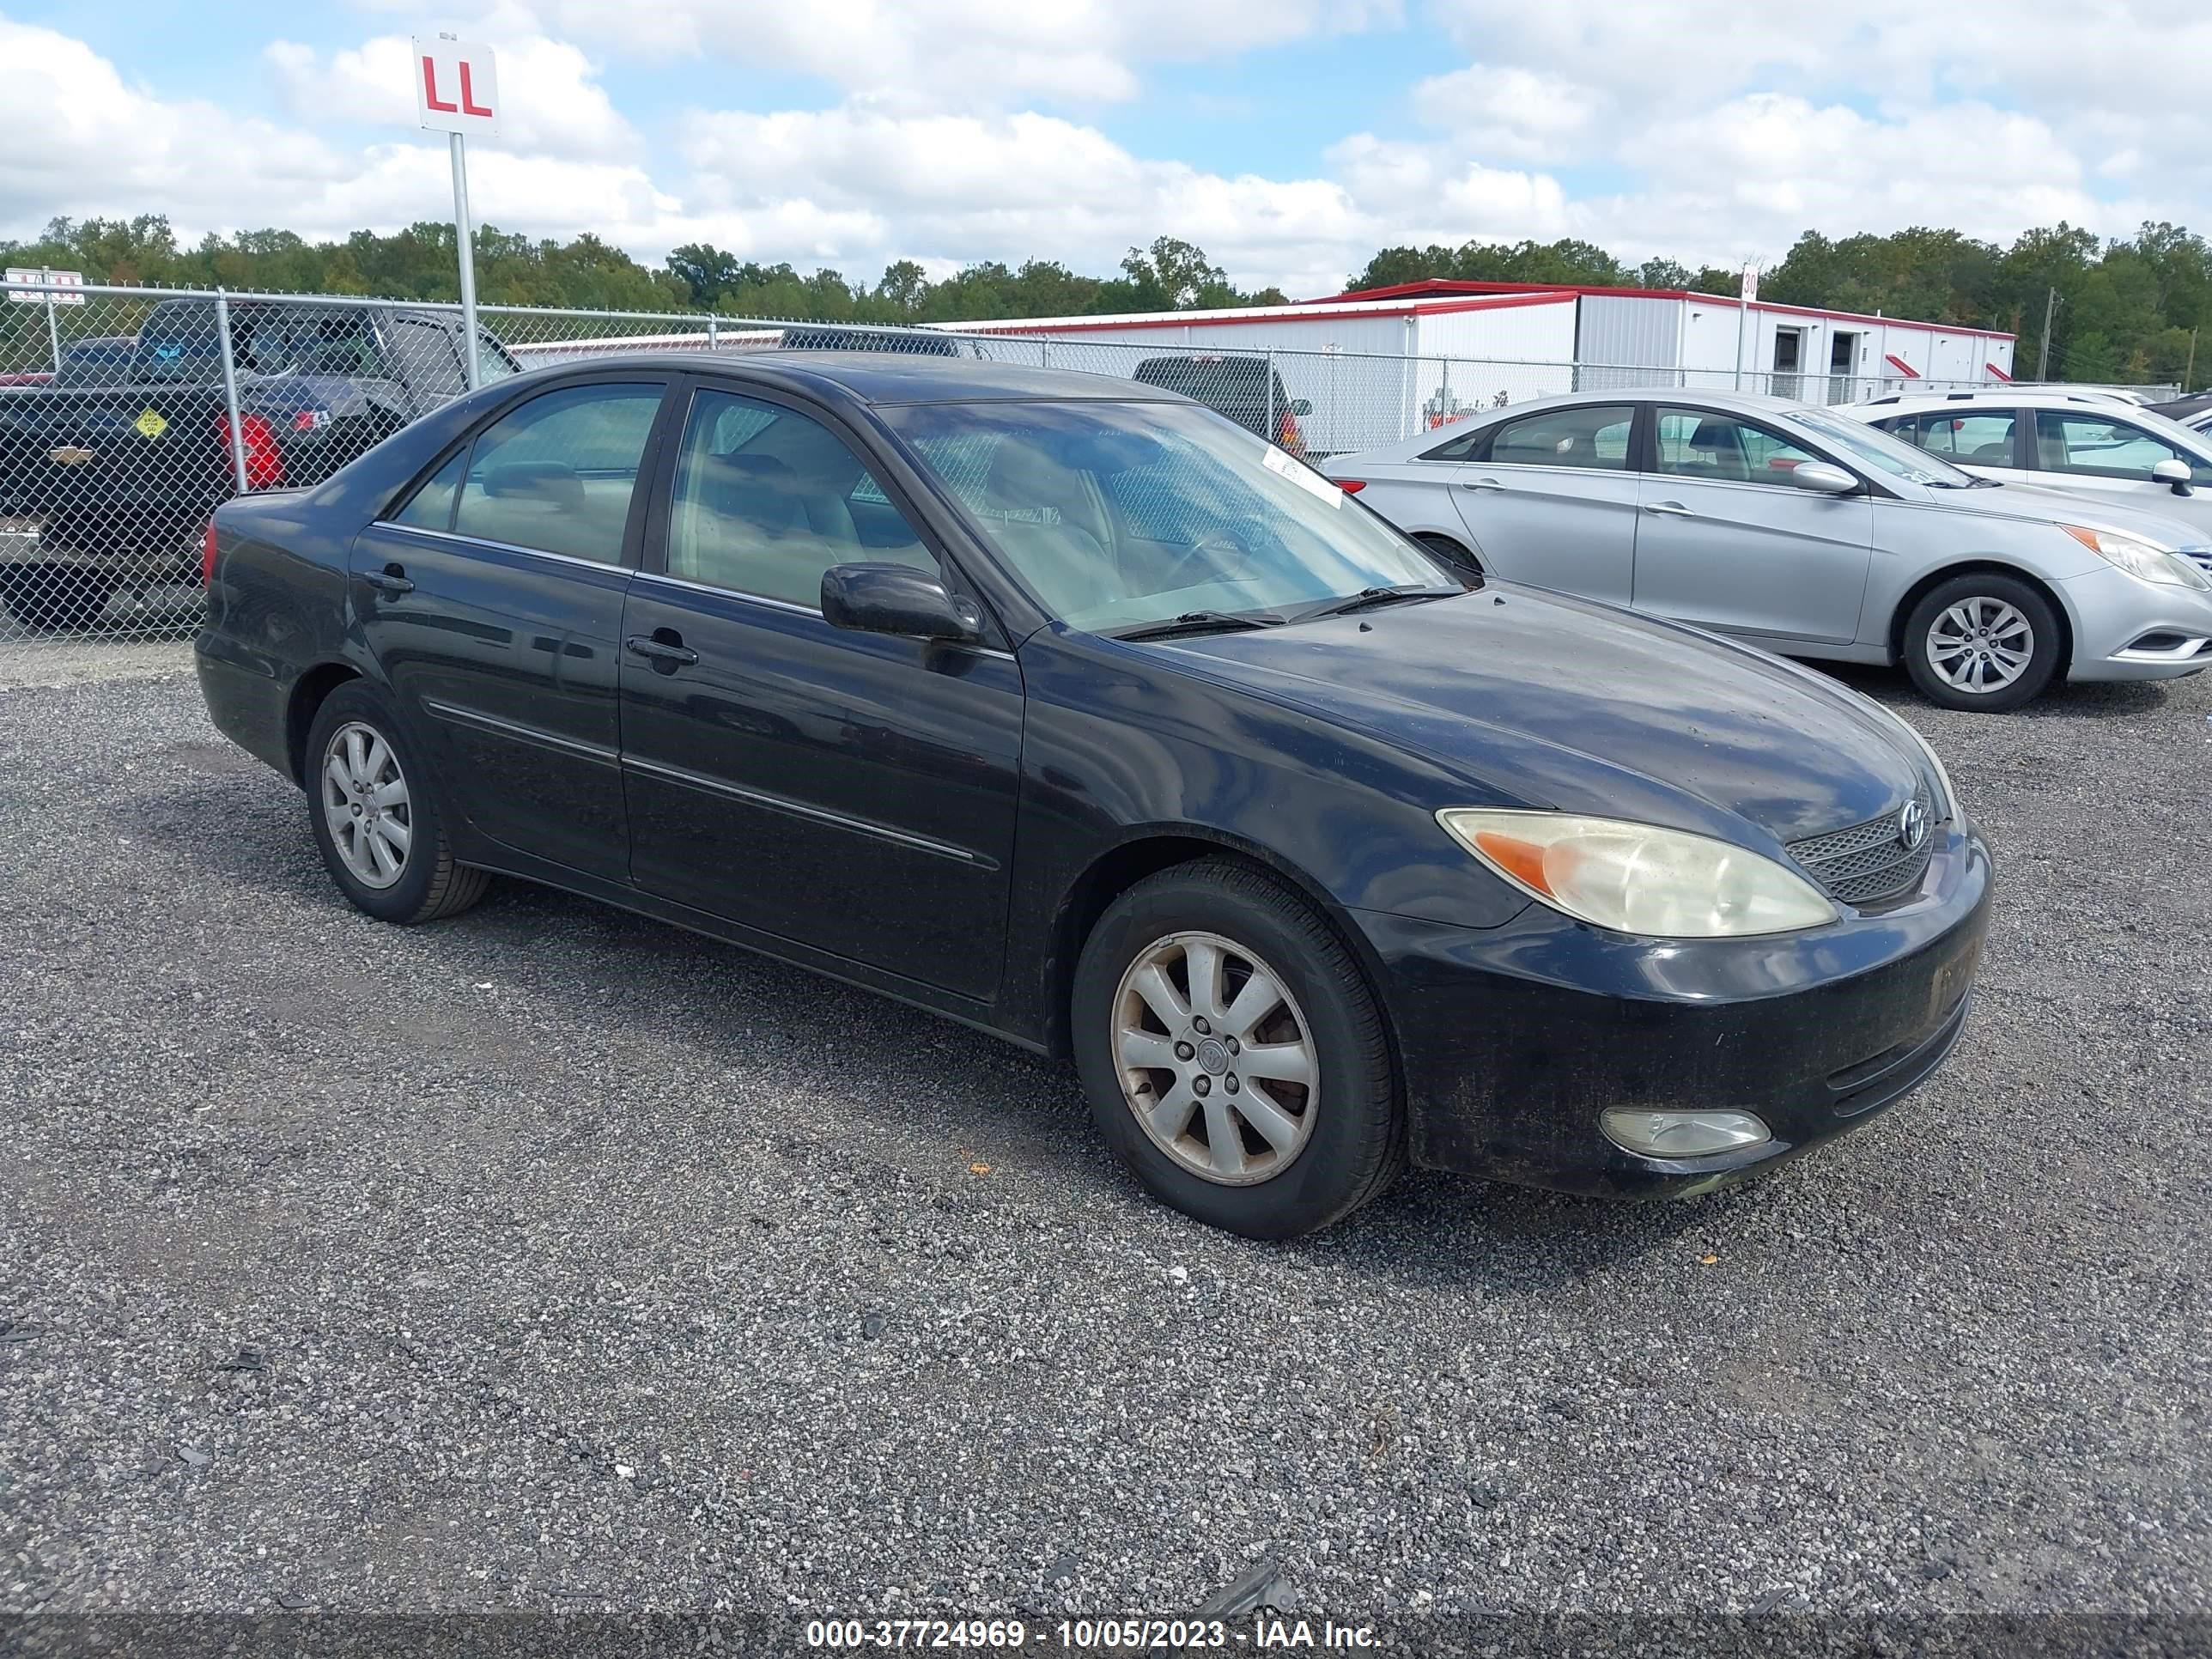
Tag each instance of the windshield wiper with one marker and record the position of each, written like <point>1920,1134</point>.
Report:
<point>1198,622</point>
<point>1367,597</point>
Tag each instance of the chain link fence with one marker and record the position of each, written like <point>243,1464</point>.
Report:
<point>127,415</point>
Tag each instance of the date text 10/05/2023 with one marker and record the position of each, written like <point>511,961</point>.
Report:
<point>1081,1635</point>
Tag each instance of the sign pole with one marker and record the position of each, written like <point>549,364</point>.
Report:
<point>53,328</point>
<point>1746,297</point>
<point>457,93</point>
<point>466,236</point>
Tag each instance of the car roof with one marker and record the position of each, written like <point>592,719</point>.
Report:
<point>1718,397</point>
<point>2006,397</point>
<point>888,378</point>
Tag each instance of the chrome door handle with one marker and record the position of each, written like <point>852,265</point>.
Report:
<point>391,580</point>
<point>1672,509</point>
<point>1480,483</point>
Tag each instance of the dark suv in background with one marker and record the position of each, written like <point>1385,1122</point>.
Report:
<point>121,461</point>
<point>1245,389</point>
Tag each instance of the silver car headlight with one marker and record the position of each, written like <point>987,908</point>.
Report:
<point>2145,560</point>
<point>1637,878</point>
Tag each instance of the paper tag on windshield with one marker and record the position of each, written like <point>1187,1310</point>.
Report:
<point>1301,475</point>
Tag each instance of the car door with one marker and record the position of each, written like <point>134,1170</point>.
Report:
<point>493,597</point>
<point>1550,499</point>
<point>1725,541</point>
<point>2098,451</point>
<point>852,793</point>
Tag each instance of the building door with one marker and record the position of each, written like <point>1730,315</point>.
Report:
<point>1843,368</point>
<point>1789,356</point>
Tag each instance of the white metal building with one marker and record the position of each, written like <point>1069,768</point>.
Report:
<point>1823,357</point>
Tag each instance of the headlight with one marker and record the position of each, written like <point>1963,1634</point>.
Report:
<point>1635,878</point>
<point>2144,559</point>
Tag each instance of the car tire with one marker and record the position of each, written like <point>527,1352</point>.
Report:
<point>355,756</point>
<point>1293,1157</point>
<point>1983,642</point>
<point>1453,553</point>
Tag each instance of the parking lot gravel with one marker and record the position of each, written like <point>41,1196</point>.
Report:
<point>549,1257</point>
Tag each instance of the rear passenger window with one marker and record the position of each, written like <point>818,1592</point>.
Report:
<point>432,506</point>
<point>557,473</point>
<point>767,499</point>
<point>1984,439</point>
<point>1593,435</point>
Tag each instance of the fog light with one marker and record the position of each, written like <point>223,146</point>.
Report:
<point>1680,1135</point>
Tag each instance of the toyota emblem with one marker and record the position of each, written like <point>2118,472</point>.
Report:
<point>1912,826</point>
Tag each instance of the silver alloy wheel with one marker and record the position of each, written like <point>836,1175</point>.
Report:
<point>1980,644</point>
<point>365,804</point>
<point>1216,1058</point>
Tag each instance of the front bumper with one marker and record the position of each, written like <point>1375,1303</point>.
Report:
<point>2112,613</point>
<point>1514,1039</point>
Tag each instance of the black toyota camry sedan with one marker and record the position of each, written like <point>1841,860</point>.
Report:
<point>1063,706</point>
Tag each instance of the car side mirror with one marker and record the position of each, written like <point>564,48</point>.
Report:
<point>896,599</point>
<point>2172,472</point>
<point>1822,477</point>
<point>1301,405</point>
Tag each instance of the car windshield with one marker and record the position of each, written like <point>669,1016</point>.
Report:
<point>1870,446</point>
<point>1119,516</point>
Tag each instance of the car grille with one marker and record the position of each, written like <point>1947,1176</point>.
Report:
<point>1867,863</point>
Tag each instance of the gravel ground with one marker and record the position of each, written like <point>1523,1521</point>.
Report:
<point>549,1257</point>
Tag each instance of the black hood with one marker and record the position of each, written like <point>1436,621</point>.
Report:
<point>1551,702</point>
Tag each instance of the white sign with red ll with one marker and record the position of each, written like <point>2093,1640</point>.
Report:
<point>456,87</point>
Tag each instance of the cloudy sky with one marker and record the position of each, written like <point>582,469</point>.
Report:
<point>1290,138</point>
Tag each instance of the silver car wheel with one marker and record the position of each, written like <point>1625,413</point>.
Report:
<point>365,804</point>
<point>1980,644</point>
<point>1216,1058</point>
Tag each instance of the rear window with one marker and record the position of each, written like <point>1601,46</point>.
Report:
<point>1209,379</point>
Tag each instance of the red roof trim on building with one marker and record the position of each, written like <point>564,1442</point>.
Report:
<point>1450,285</point>
<point>1282,314</point>
<point>1995,370</point>
<point>1902,367</point>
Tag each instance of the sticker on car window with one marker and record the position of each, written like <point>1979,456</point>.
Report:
<point>1303,477</point>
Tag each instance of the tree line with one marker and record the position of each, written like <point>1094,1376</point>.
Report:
<point>2124,309</point>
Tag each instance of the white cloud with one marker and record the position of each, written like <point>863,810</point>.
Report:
<point>974,54</point>
<point>1521,114</point>
<point>82,141</point>
<point>960,187</point>
<point>552,103</point>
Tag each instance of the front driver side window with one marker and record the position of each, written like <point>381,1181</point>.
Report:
<point>1697,443</point>
<point>2101,447</point>
<point>767,499</point>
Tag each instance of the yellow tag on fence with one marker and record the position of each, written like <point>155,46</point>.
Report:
<point>151,424</point>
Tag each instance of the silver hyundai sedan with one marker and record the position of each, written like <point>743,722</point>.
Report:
<point>1807,533</point>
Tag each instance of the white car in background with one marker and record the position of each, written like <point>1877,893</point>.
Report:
<point>2061,441</point>
<point>1805,533</point>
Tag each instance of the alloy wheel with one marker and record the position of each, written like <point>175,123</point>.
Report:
<point>366,805</point>
<point>1980,644</point>
<point>1215,1058</point>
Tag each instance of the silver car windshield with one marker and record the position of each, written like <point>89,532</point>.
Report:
<point>1119,516</point>
<point>1871,447</point>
